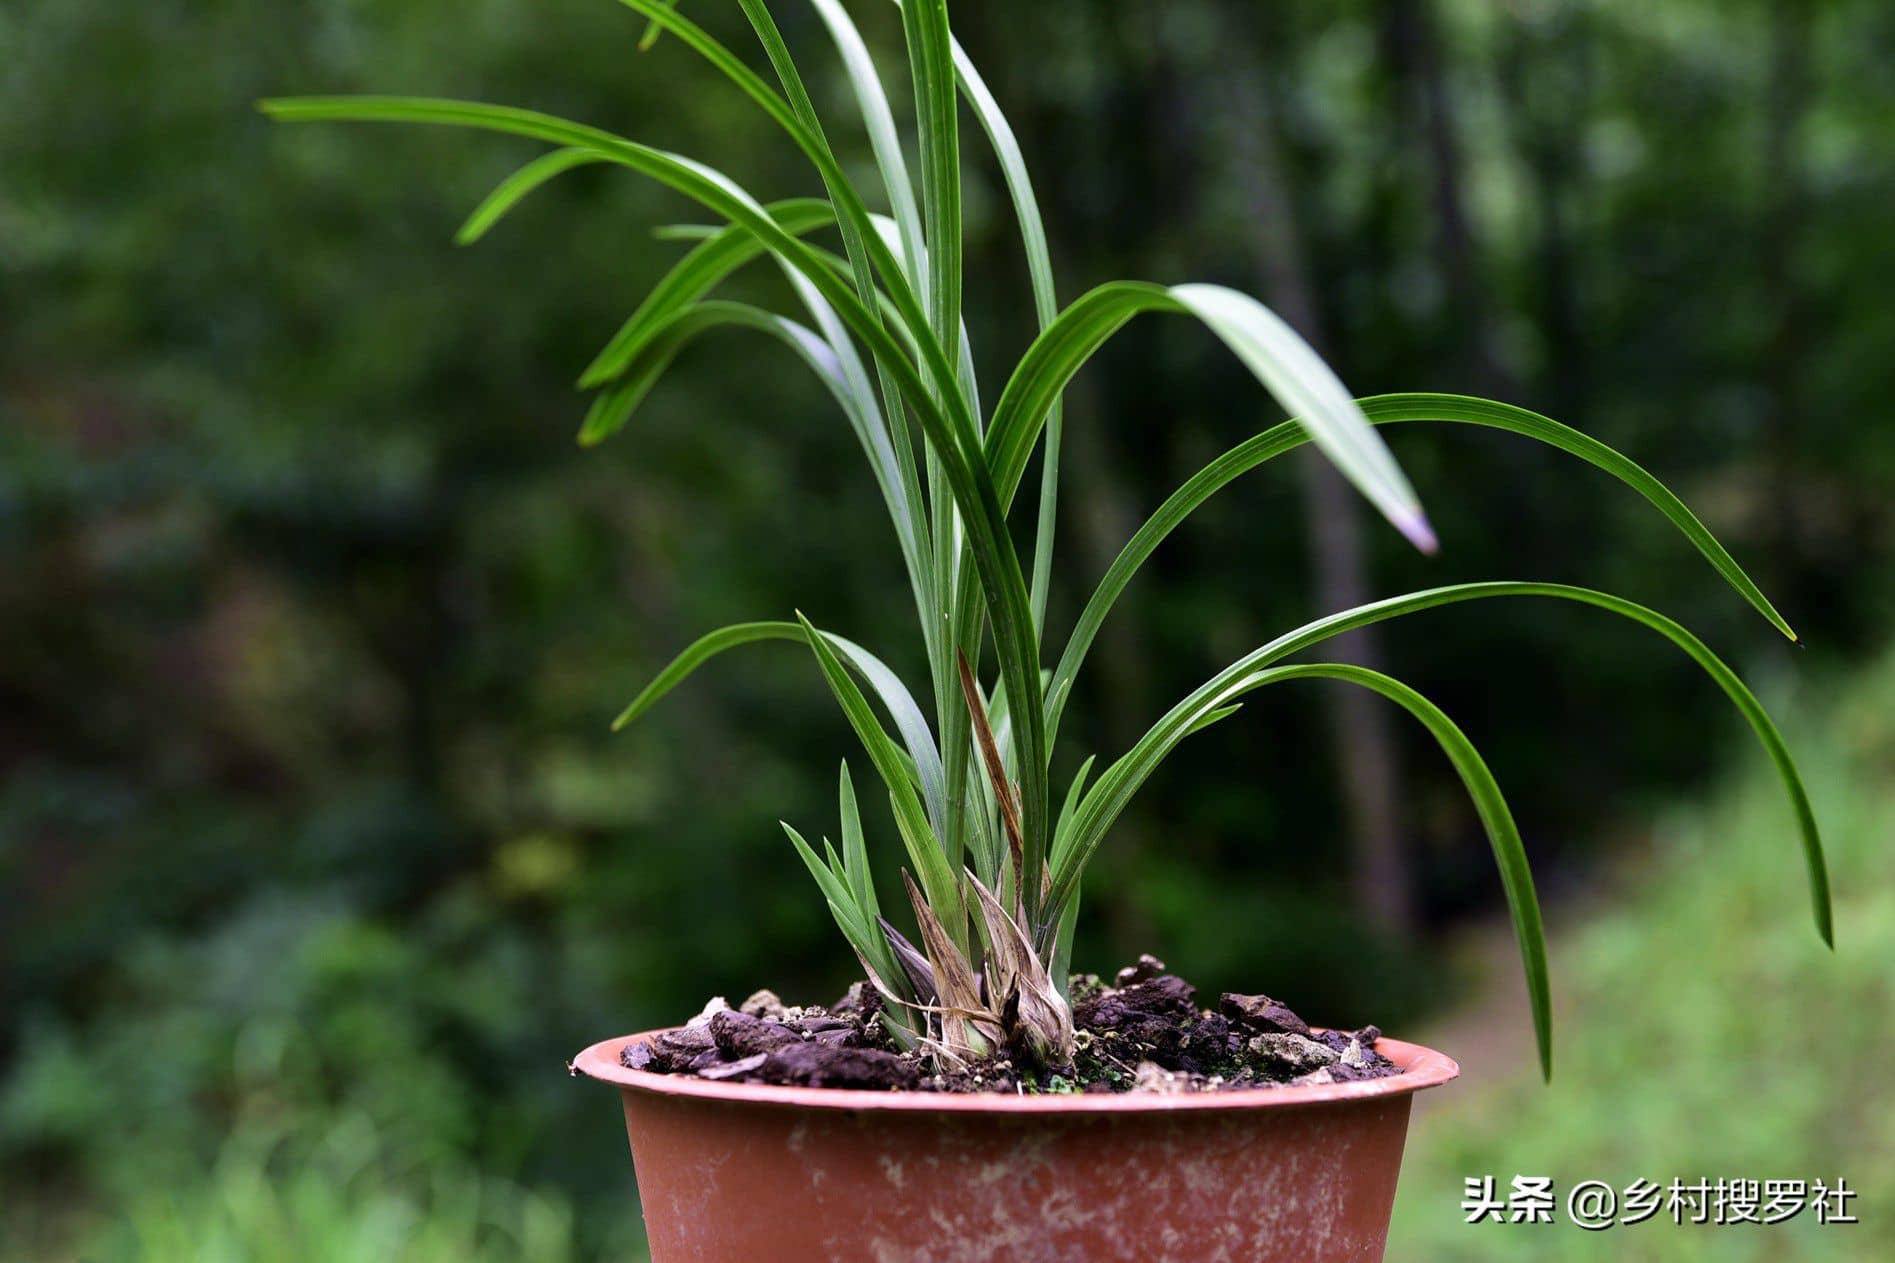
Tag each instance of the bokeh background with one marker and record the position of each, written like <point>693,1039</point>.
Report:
<point>316,856</point>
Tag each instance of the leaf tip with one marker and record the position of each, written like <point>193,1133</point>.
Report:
<point>1413,523</point>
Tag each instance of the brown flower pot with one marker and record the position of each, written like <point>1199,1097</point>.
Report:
<point>730,1171</point>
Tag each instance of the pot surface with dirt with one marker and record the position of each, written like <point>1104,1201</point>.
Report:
<point>738,1171</point>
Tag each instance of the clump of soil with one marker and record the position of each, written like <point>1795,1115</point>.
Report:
<point>1143,1033</point>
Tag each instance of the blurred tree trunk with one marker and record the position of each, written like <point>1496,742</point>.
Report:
<point>1786,104</point>
<point>1381,874</point>
<point>1424,109</point>
<point>1547,98</point>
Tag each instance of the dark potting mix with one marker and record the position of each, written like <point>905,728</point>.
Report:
<point>1144,1032</point>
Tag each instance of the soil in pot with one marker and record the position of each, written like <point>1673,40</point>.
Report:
<point>1143,1032</point>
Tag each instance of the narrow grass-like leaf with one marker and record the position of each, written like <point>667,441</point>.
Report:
<point>509,192</point>
<point>834,889</point>
<point>1119,782</point>
<point>1073,793</point>
<point>653,31</point>
<point>855,852</point>
<point>1062,967</point>
<point>1026,209</point>
<point>950,430</point>
<point>884,140</point>
<point>1381,410</point>
<point>830,357</point>
<point>861,272</point>
<point>1297,376</point>
<point>931,63</point>
<point>1516,878</point>
<point>924,849</point>
<point>858,926</point>
<point>1275,355</point>
<point>925,760</point>
<point>848,204</point>
<point>695,275</point>
<point>622,397</point>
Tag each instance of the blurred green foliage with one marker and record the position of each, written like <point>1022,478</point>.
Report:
<point>316,858</point>
<point>1704,1035</point>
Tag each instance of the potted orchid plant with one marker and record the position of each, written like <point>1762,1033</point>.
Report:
<point>972,1097</point>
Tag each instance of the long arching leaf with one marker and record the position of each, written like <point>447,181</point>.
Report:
<point>1502,834</point>
<point>509,192</point>
<point>1275,355</point>
<point>842,378</point>
<point>946,422</point>
<point>695,275</point>
<point>861,268</point>
<point>848,204</point>
<point>1381,410</point>
<point>1119,782</point>
<point>895,697</point>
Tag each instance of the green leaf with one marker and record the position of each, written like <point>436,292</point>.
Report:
<point>1119,782</point>
<point>848,204</point>
<point>1000,136</point>
<point>1510,856</point>
<point>884,140</point>
<point>950,429</point>
<point>1381,410</point>
<point>694,276</point>
<point>621,398</point>
<point>1073,793</point>
<point>1026,210</point>
<point>855,852</point>
<point>931,63</point>
<point>1279,359</point>
<point>924,850</point>
<point>653,31</point>
<point>941,408</point>
<point>860,930</point>
<point>508,193</point>
<point>909,721</point>
<point>841,374</point>
<point>917,543</point>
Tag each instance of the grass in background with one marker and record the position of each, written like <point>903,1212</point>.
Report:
<point>1706,1034</point>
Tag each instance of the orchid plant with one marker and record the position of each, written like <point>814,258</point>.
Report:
<point>994,855</point>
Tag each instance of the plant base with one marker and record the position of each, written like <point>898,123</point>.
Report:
<point>730,1171</point>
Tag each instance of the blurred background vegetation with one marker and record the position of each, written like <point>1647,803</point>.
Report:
<point>316,858</point>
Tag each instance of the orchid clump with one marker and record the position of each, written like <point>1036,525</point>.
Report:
<point>995,848</point>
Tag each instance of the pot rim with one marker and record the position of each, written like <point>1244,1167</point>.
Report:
<point>1421,1068</point>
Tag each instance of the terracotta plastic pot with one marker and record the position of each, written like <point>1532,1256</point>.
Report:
<point>730,1171</point>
